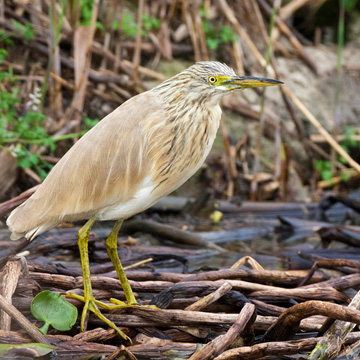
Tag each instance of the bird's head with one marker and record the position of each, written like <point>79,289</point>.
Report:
<point>210,80</point>
<point>219,78</point>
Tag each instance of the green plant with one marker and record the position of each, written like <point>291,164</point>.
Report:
<point>5,38</point>
<point>215,35</point>
<point>54,310</point>
<point>150,22</point>
<point>129,25</point>
<point>25,129</point>
<point>324,169</point>
<point>89,123</point>
<point>86,7</point>
<point>25,30</point>
<point>349,143</point>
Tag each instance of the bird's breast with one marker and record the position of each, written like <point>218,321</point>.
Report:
<point>184,148</point>
<point>175,150</point>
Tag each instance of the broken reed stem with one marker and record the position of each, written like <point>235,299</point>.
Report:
<point>222,342</point>
<point>288,322</point>
<point>229,14</point>
<point>312,119</point>
<point>22,321</point>
<point>335,337</point>
<point>10,277</point>
<point>254,182</point>
<point>137,52</point>
<point>289,9</point>
<point>54,47</point>
<point>209,299</point>
<point>276,348</point>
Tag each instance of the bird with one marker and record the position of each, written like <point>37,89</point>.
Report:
<point>142,151</point>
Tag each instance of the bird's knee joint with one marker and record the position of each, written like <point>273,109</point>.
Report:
<point>82,233</point>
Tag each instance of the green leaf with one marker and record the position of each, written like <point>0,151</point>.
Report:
<point>150,22</point>
<point>54,310</point>
<point>345,176</point>
<point>25,30</point>
<point>326,175</point>
<point>115,25</point>
<point>3,55</point>
<point>128,25</point>
<point>90,122</point>
<point>227,34</point>
<point>348,5</point>
<point>100,26</point>
<point>213,44</point>
<point>86,12</point>
<point>24,163</point>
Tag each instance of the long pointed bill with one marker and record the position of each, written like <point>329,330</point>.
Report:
<point>243,82</point>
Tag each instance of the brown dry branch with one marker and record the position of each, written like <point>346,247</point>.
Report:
<point>137,52</point>
<point>351,351</point>
<point>170,233</point>
<point>209,299</point>
<point>288,322</point>
<point>289,9</point>
<point>221,343</point>
<point>279,348</point>
<point>10,277</point>
<point>276,277</point>
<point>121,353</point>
<point>291,37</point>
<point>331,264</point>
<point>339,283</point>
<point>83,38</point>
<point>95,335</point>
<point>334,338</point>
<point>230,16</point>
<point>8,171</point>
<point>161,281</point>
<point>22,321</point>
<point>321,129</point>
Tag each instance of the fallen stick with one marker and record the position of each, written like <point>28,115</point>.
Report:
<point>312,119</point>
<point>23,322</point>
<point>209,299</point>
<point>335,337</point>
<point>170,233</point>
<point>222,342</point>
<point>277,349</point>
<point>288,322</point>
<point>10,277</point>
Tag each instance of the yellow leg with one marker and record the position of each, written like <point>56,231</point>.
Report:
<point>88,299</point>
<point>111,246</point>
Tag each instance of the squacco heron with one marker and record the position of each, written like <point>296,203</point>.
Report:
<point>142,151</point>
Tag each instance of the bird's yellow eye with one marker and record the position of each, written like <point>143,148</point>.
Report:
<point>212,79</point>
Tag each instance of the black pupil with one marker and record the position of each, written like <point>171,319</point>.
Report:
<point>212,79</point>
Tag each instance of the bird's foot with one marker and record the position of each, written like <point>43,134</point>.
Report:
<point>120,304</point>
<point>90,303</point>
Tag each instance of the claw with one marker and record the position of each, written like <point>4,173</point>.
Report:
<point>92,304</point>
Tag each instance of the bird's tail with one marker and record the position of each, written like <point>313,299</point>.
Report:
<point>23,221</point>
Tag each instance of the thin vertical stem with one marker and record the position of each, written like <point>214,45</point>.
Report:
<point>253,187</point>
<point>54,46</point>
<point>137,52</point>
<point>341,25</point>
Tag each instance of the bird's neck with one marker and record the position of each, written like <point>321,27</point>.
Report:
<point>188,107</point>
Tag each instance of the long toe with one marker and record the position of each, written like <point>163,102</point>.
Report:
<point>90,303</point>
